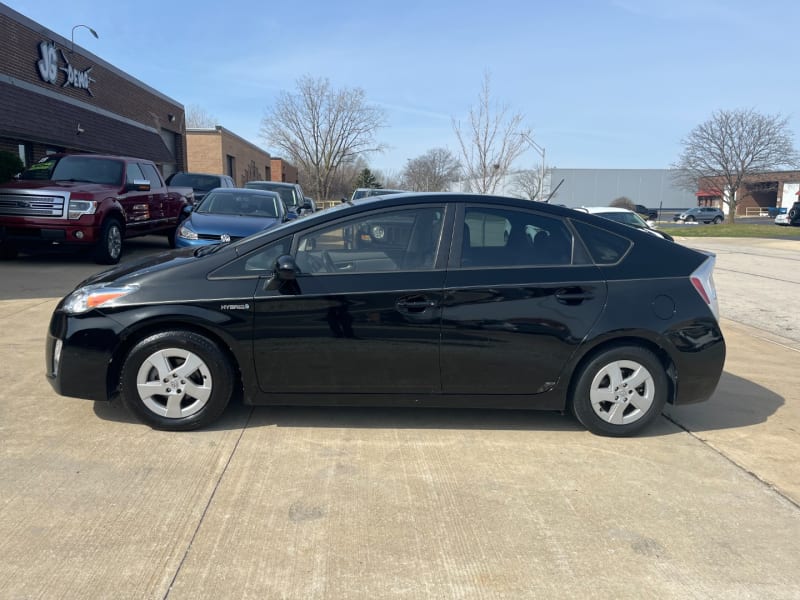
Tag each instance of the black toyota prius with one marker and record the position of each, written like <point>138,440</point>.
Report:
<point>410,299</point>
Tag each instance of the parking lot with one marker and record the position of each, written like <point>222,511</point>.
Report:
<point>407,503</point>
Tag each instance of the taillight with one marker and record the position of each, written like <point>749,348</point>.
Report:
<point>703,281</point>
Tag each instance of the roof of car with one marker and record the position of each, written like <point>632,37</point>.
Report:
<point>277,183</point>
<point>602,209</point>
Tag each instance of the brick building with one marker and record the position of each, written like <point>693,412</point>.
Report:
<point>56,96</point>
<point>283,171</point>
<point>757,194</point>
<point>217,150</point>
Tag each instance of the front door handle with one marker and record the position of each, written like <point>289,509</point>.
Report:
<point>414,304</point>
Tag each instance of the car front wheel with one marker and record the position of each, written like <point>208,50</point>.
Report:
<point>690,219</point>
<point>619,391</point>
<point>176,380</point>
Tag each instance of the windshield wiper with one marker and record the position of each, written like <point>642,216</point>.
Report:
<point>210,249</point>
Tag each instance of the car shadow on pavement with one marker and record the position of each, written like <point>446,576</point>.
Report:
<point>412,418</point>
<point>737,402</point>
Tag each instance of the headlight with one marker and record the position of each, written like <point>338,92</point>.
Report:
<point>93,296</point>
<point>78,208</point>
<point>186,233</point>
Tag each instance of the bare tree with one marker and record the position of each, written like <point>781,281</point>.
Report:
<point>344,181</point>
<point>731,146</point>
<point>528,184</point>
<point>491,141</point>
<point>389,178</point>
<point>434,171</point>
<point>197,117</point>
<point>624,202</point>
<point>321,129</point>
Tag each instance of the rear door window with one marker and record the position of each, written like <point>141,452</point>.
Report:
<point>499,237</point>
<point>605,248</point>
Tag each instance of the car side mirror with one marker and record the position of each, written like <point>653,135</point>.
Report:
<point>308,206</point>
<point>138,185</point>
<point>187,209</point>
<point>285,270</point>
<point>291,215</point>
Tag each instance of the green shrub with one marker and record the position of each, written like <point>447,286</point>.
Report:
<point>10,165</point>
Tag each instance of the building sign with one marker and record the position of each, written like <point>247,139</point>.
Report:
<point>49,67</point>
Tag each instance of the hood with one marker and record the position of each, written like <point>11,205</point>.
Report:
<point>69,186</point>
<point>129,271</point>
<point>234,225</point>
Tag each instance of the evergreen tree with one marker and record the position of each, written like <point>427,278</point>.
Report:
<point>367,180</point>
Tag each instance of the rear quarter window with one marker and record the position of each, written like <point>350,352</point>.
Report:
<point>605,247</point>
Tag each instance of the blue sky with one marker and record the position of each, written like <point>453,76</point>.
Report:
<point>602,84</point>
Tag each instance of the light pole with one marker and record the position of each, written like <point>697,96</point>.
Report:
<point>540,150</point>
<point>72,39</point>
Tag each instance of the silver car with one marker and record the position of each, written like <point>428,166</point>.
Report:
<point>705,214</point>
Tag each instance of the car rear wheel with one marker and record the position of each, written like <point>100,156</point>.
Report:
<point>619,391</point>
<point>176,380</point>
<point>109,247</point>
<point>717,220</point>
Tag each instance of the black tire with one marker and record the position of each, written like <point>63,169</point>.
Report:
<point>153,385</point>
<point>633,404</point>
<point>793,214</point>
<point>172,236</point>
<point>8,251</point>
<point>690,219</point>
<point>108,250</point>
<point>717,220</point>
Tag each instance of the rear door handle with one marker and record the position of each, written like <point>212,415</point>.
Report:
<point>573,295</point>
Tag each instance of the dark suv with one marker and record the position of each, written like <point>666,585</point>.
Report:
<point>706,214</point>
<point>648,213</point>
<point>290,193</point>
<point>794,214</point>
<point>201,183</point>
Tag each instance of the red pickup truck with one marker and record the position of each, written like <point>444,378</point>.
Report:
<point>88,200</point>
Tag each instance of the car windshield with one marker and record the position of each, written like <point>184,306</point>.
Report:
<point>195,181</point>
<point>77,168</point>
<point>240,204</point>
<point>286,192</point>
<point>628,218</point>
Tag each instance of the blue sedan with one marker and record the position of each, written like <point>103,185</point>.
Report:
<point>228,214</point>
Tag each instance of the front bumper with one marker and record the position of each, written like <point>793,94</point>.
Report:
<point>79,365</point>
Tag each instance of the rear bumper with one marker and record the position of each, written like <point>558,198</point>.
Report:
<point>698,351</point>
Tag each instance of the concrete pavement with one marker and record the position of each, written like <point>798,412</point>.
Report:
<point>387,503</point>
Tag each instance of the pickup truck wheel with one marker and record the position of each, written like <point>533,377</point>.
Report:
<point>109,247</point>
<point>176,380</point>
